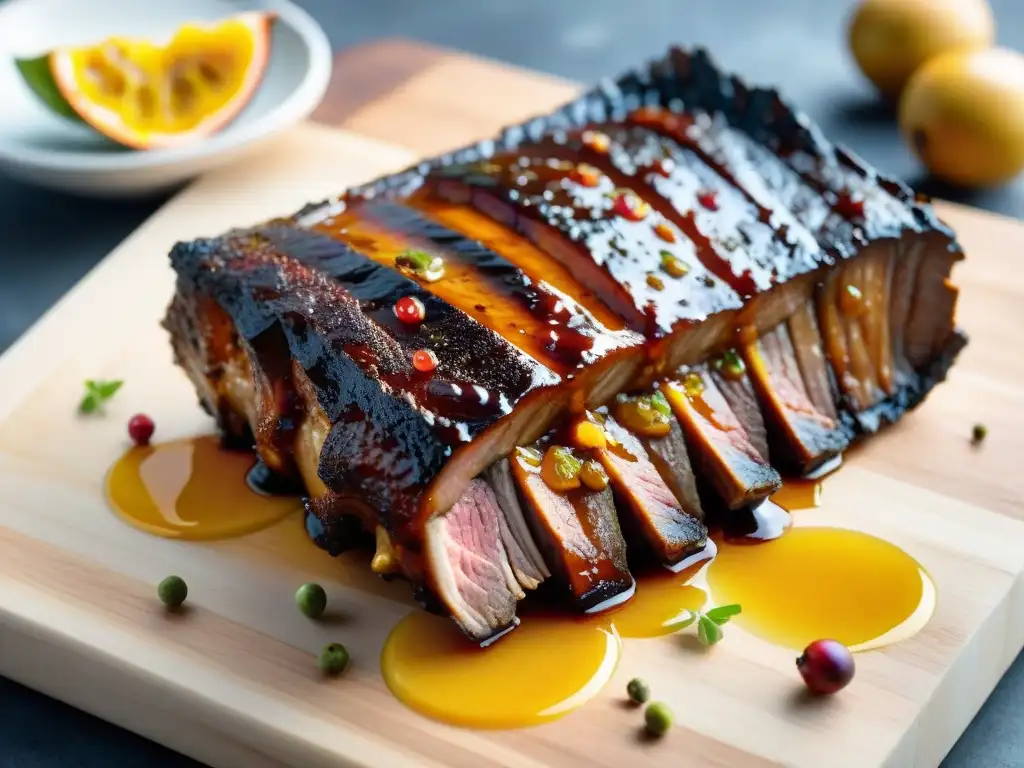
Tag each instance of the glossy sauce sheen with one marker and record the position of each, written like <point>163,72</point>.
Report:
<point>192,489</point>
<point>807,583</point>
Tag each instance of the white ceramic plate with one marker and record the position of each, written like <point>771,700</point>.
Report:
<point>41,148</point>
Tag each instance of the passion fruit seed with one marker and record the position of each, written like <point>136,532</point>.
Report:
<point>638,690</point>
<point>312,600</point>
<point>333,659</point>
<point>674,266</point>
<point>560,469</point>
<point>593,476</point>
<point>422,264</point>
<point>826,666</point>
<point>141,428</point>
<point>640,416</point>
<point>665,232</point>
<point>979,433</point>
<point>586,434</point>
<point>172,591</point>
<point>655,282</point>
<point>657,718</point>
<point>693,385</point>
<point>529,455</point>
<point>731,365</point>
<point>586,175</point>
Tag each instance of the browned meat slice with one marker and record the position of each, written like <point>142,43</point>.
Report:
<point>466,557</point>
<point>650,512</point>
<point>722,451</point>
<point>579,534</point>
<point>729,374</point>
<point>524,555</point>
<point>802,438</point>
<point>669,455</point>
<point>810,354</point>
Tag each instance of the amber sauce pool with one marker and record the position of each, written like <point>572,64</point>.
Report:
<point>546,668</point>
<point>796,582</point>
<point>191,489</point>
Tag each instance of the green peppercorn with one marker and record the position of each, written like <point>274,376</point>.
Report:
<point>312,600</point>
<point>978,433</point>
<point>638,690</point>
<point>658,718</point>
<point>333,659</point>
<point>172,591</point>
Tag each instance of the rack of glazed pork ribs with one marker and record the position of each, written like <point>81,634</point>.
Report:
<point>609,325</point>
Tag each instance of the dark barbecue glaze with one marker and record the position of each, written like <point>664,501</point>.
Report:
<point>777,229</point>
<point>531,314</point>
<point>393,427</point>
<point>616,257</point>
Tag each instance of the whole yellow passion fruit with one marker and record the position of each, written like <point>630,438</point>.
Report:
<point>890,39</point>
<point>963,114</point>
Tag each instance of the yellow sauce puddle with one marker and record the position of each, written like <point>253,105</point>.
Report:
<point>191,489</point>
<point>546,668</point>
<point>815,583</point>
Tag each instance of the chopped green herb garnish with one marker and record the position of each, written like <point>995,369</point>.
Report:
<point>97,392</point>
<point>423,264</point>
<point>709,623</point>
<point>660,404</point>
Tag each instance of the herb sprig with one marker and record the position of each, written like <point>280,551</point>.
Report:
<point>97,392</point>
<point>709,623</point>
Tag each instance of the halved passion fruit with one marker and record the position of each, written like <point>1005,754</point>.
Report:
<point>146,96</point>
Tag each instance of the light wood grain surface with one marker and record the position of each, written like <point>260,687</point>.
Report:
<point>233,682</point>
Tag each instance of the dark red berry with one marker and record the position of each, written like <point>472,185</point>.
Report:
<point>140,429</point>
<point>826,666</point>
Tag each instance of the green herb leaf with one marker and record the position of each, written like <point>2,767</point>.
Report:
<point>660,404</point>
<point>723,613</point>
<point>708,632</point>
<point>683,623</point>
<point>96,394</point>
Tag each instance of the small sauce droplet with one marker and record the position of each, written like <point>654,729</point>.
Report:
<point>548,667</point>
<point>410,310</point>
<point>597,141</point>
<point>665,232</point>
<point>586,175</point>
<point>708,198</point>
<point>424,360</point>
<point>813,583</point>
<point>192,489</point>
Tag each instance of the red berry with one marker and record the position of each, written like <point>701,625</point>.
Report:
<point>424,361</point>
<point>140,429</point>
<point>708,198</point>
<point>826,666</point>
<point>410,310</point>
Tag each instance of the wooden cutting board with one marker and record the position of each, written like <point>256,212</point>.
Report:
<point>233,682</point>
